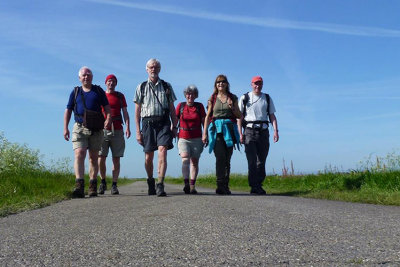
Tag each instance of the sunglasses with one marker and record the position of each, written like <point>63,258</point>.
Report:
<point>223,81</point>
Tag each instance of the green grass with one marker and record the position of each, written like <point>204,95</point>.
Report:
<point>31,189</point>
<point>26,183</point>
<point>366,187</point>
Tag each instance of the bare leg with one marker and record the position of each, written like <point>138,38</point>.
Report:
<point>148,163</point>
<point>102,167</point>
<point>79,162</point>
<point>162,163</point>
<point>93,164</point>
<point>116,168</point>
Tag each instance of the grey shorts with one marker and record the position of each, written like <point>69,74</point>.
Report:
<point>194,147</point>
<point>114,141</point>
<point>155,134</point>
<point>82,137</point>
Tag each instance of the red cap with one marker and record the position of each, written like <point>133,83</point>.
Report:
<point>256,79</point>
<point>111,76</point>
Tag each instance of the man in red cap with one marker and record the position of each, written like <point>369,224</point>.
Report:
<point>114,135</point>
<point>258,111</point>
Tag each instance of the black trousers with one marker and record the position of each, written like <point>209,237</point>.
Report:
<point>256,148</point>
<point>223,156</point>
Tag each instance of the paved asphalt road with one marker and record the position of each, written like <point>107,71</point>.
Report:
<point>134,229</point>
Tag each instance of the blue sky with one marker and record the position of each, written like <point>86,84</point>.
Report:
<point>331,67</point>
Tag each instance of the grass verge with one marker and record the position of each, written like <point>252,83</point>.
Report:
<point>33,189</point>
<point>359,186</point>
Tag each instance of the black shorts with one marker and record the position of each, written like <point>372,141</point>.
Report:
<point>155,134</point>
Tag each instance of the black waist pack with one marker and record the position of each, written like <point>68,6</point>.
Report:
<point>93,120</point>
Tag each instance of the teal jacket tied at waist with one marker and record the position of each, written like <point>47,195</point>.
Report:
<point>227,128</point>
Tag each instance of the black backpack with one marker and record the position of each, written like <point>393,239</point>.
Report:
<point>245,101</point>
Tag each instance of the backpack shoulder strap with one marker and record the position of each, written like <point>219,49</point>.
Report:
<point>142,87</point>
<point>120,97</point>
<point>197,105</point>
<point>213,99</point>
<point>76,91</point>
<point>245,101</point>
<point>183,104</point>
<point>268,101</point>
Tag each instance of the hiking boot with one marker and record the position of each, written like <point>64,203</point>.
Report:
<point>152,186</point>
<point>193,191</point>
<point>257,191</point>
<point>160,190</point>
<point>186,189</point>
<point>93,188</point>
<point>102,188</point>
<point>79,191</point>
<point>221,191</point>
<point>114,190</point>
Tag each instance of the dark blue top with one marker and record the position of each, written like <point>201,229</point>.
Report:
<point>94,99</point>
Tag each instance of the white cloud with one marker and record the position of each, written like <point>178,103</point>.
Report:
<point>261,22</point>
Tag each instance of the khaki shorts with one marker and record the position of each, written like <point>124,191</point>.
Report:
<point>84,138</point>
<point>116,142</point>
<point>193,147</point>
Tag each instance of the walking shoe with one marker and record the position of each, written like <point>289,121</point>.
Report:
<point>93,188</point>
<point>160,190</point>
<point>114,190</point>
<point>193,191</point>
<point>102,188</point>
<point>186,189</point>
<point>257,191</point>
<point>152,186</point>
<point>221,191</point>
<point>79,191</point>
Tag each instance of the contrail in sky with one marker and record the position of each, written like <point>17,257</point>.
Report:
<point>261,22</point>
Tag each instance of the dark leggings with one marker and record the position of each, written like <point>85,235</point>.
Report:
<point>223,156</point>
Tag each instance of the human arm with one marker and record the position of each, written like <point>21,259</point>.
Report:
<point>174,119</point>
<point>139,137</point>
<point>274,122</point>
<point>239,125</point>
<point>127,122</point>
<point>108,121</point>
<point>206,123</point>
<point>67,118</point>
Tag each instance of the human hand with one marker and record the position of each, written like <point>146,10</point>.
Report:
<point>66,134</point>
<point>107,123</point>
<point>139,138</point>
<point>276,136</point>
<point>128,133</point>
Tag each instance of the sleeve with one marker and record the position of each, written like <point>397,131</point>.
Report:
<point>71,102</point>
<point>172,95</point>
<point>138,95</point>
<point>124,105</point>
<point>271,108</point>
<point>241,103</point>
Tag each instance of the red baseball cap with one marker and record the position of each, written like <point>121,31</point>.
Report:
<point>111,76</point>
<point>256,79</point>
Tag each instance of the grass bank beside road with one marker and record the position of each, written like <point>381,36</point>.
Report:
<point>37,188</point>
<point>359,186</point>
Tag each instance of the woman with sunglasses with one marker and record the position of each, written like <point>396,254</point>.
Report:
<point>221,131</point>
